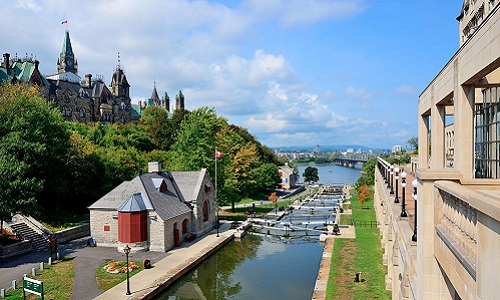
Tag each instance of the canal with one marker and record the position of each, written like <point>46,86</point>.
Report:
<point>261,266</point>
<point>257,267</point>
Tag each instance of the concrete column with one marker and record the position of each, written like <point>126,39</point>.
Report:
<point>463,101</point>
<point>437,133</point>
<point>423,141</point>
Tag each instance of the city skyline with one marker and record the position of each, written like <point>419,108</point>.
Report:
<point>292,72</point>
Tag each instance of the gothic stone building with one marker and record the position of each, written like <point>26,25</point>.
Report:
<point>155,211</point>
<point>88,100</point>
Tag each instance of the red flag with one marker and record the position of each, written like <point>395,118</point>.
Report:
<point>64,22</point>
<point>218,154</point>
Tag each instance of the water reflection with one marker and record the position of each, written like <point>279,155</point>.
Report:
<point>257,267</point>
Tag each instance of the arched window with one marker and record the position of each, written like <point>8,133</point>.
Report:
<point>184,226</point>
<point>205,211</point>
<point>82,113</point>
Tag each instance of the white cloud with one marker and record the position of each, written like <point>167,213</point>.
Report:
<point>306,12</point>
<point>405,90</point>
<point>361,93</point>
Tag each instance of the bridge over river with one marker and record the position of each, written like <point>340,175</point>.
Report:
<point>351,160</point>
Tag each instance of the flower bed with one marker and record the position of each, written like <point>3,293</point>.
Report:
<point>120,267</point>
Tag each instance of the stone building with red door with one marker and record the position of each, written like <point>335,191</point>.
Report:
<point>156,211</point>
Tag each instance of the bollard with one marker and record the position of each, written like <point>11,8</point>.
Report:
<point>14,284</point>
<point>358,276</point>
<point>33,272</point>
<point>50,260</point>
<point>2,292</point>
<point>57,255</point>
<point>41,266</point>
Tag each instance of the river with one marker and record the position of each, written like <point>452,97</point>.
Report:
<point>334,173</point>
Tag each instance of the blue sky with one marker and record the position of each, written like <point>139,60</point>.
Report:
<point>293,72</point>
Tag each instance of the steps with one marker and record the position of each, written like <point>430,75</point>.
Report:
<point>38,241</point>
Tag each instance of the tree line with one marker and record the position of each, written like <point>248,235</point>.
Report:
<point>48,164</point>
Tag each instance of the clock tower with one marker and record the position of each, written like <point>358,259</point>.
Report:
<point>67,61</point>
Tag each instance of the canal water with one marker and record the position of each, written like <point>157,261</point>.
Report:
<point>261,266</point>
<point>257,267</point>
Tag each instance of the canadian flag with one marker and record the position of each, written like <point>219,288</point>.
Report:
<point>218,154</point>
<point>64,22</point>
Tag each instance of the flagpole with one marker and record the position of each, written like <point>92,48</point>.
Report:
<point>215,189</point>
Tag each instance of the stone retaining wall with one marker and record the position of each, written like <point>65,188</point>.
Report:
<point>15,249</point>
<point>73,233</point>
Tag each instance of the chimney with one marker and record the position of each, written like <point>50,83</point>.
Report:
<point>88,80</point>
<point>154,167</point>
<point>6,61</point>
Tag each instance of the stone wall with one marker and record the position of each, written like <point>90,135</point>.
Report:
<point>100,222</point>
<point>73,233</point>
<point>15,249</point>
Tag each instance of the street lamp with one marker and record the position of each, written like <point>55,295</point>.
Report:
<point>403,184</point>
<point>392,179</point>
<point>127,251</point>
<point>414,183</point>
<point>396,171</point>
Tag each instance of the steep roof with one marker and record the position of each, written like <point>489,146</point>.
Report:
<point>67,50</point>
<point>189,182</point>
<point>21,71</point>
<point>182,187</point>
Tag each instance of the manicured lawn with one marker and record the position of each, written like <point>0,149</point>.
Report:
<point>58,280</point>
<point>59,221</point>
<point>362,254</point>
<point>106,280</point>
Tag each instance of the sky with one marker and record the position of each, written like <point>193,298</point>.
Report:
<point>293,72</point>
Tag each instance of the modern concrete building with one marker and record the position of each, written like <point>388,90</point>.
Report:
<point>457,247</point>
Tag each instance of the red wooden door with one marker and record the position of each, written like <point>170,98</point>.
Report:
<point>177,240</point>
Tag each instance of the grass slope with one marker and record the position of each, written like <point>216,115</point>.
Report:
<point>362,254</point>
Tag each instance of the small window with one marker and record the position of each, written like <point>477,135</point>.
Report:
<point>205,211</point>
<point>184,226</point>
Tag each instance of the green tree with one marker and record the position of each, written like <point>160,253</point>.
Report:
<point>413,142</point>
<point>311,174</point>
<point>195,144</point>
<point>33,149</point>
<point>367,173</point>
<point>268,175</point>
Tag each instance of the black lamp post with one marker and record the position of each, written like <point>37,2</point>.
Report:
<point>414,183</point>
<point>127,251</point>
<point>396,173</point>
<point>387,174</point>
<point>392,179</point>
<point>403,184</point>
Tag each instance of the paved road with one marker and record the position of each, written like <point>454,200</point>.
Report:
<point>86,259</point>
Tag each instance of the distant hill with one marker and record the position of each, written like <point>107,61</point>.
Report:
<point>327,148</point>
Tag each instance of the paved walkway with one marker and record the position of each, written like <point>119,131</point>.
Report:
<point>166,266</point>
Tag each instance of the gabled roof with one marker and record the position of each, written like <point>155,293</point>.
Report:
<point>189,182</point>
<point>182,187</point>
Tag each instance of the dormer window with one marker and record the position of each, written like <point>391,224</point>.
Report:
<point>208,187</point>
<point>159,184</point>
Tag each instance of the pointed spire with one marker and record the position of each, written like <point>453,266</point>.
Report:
<point>67,50</point>
<point>154,95</point>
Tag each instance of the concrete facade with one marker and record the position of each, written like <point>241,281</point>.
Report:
<point>458,203</point>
